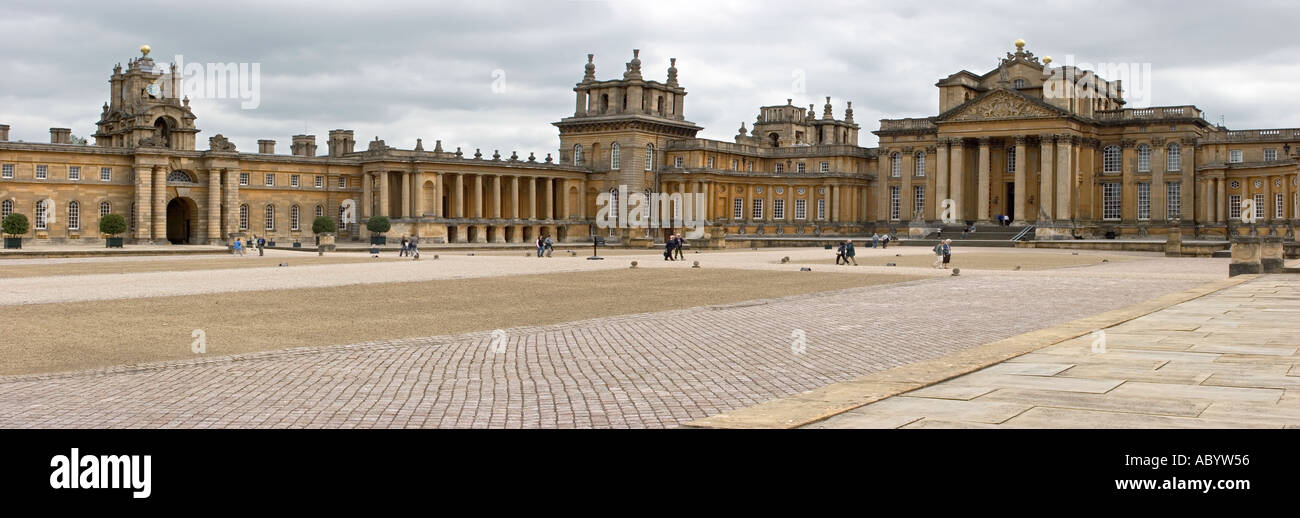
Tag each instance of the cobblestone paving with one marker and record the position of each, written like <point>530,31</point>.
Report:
<point>1230,359</point>
<point>634,371</point>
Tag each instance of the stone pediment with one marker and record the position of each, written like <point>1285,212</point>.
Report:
<point>1000,105</point>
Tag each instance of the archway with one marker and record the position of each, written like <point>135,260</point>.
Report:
<point>163,130</point>
<point>180,220</point>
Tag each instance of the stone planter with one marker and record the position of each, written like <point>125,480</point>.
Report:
<point>325,241</point>
<point>13,242</point>
<point>113,242</point>
<point>379,240</point>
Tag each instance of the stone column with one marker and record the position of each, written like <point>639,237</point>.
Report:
<point>383,194</point>
<point>477,204</point>
<point>143,204</point>
<point>1127,186</point>
<point>770,213</point>
<point>406,194</point>
<point>419,195</point>
<point>1046,182</point>
<point>940,177</point>
<point>231,196</point>
<point>1220,200</point>
<point>532,198</point>
<point>984,179</point>
<point>1064,176</point>
<point>957,183</point>
<point>550,198</point>
<point>514,198</point>
<point>366,208</point>
<point>159,205</point>
<point>214,206</point>
<point>905,208</point>
<point>1159,191</point>
<point>496,197</point>
<point>437,195</point>
<point>834,205</point>
<point>1021,191</point>
<point>789,204</point>
<point>458,206</point>
<point>1188,164</point>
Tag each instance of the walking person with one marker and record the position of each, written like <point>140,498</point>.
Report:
<point>884,241</point>
<point>677,249</point>
<point>947,252</point>
<point>938,254</point>
<point>413,250</point>
<point>238,247</point>
<point>875,239</point>
<point>668,248</point>
<point>849,252</point>
<point>261,244</point>
<point>549,245</point>
<point>839,254</point>
<point>405,247</point>
<point>540,245</point>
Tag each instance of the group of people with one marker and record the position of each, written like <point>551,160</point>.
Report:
<point>410,248</point>
<point>846,253</point>
<point>545,245</point>
<point>237,248</point>
<point>881,240</point>
<point>673,247</point>
<point>943,253</point>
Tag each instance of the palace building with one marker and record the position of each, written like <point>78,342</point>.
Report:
<point>1025,140</point>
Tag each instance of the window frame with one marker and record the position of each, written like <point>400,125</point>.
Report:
<point>270,180</point>
<point>1112,159</point>
<point>268,217</point>
<point>895,203</point>
<point>1173,199</point>
<point>1112,199</point>
<point>6,171</point>
<point>757,209</point>
<point>738,209</point>
<point>1144,158</point>
<point>42,172</point>
<point>800,209</point>
<point>106,174</point>
<point>1143,201</point>
<point>74,215</point>
<point>244,179</point>
<point>74,173</point>
<point>778,209</point>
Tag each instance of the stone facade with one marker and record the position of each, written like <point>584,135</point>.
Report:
<point>1019,140</point>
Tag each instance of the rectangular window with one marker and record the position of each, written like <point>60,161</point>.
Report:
<point>1110,201</point>
<point>920,164</point>
<point>918,201</point>
<point>1234,156</point>
<point>710,162</point>
<point>780,168</point>
<point>735,165</point>
<point>293,218</point>
<point>105,174</point>
<point>133,217</point>
<point>41,172</point>
<point>749,166</point>
<point>293,180</point>
<point>677,162</point>
<point>825,167</point>
<point>800,168</point>
<point>270,217</point>
<point>320,181</point>
<point>1259,206</point>
<point>74,172</point>
<point>243,217</point>
<point>1270,154</point>
<point>1144,158</point>
<point>778,209</point>
<point>243,178</point>
<point>821,208</point>
<point>40,214</point>
<point>74,216</point>
<point>758,208</point>
<point>1234,206</point>
<point>801,209</point>
<point>1144,200</point>
<point>270,180</point>
<point>1173,199</point>
<point>738,209</point>
<point>343,182</point>
<point>7,171</point>
<point>894,203</point>
<point>6,208</point>
<point>1279,209</point>
<point>1174,158</point>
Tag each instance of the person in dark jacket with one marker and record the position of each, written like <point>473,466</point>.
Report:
<point>668,248</point>
<point>839,254</point>
<point>849,252</point>
<point>677,249</point>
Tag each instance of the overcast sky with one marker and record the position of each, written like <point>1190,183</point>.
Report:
<point>402,70</point>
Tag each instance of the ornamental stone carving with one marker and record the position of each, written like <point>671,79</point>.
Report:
<point>220,143</point>
<point>1002,106</point>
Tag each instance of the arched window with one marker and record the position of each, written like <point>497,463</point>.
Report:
<point>577,154</point>
<point>775,139</point>
<point>179,176</point>
<point>320,211</point>
<point>613,205</point>
<point>1110,159</point>
<point>1011,159</point>
<point>613,156</point>
<point>105,208</point>
<point>74,215</point>
<point>270,217</point>
<point>920,164</point>
<point>6,208</point>
<point>293,218</point>
<point>243,217</point>
<point>343,211</point>
<point>649,157</point>
<point>40,215</point>
<point>895,164</point>
<point>1144,158</point>
<point>1174,159</point>
<point>1019,83</point>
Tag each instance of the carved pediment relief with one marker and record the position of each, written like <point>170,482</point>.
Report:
<point>1001,105</point>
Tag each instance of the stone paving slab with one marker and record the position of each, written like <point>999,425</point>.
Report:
<point>1238,371</point>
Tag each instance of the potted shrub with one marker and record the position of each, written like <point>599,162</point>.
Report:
<point>112,224</point>
<point>324,228</point>
<point>14,225</point>
<point>378,225</point>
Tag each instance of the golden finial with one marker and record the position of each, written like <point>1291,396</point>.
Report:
<point>1047,60</point>
<point>144,49</point>
<point>1020,44</point>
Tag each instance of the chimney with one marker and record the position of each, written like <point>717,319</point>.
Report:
<point>266,147</point>
<point>304,145</point>
<point>4,132</point>
<point>60,135</point>
<point>341,142</point>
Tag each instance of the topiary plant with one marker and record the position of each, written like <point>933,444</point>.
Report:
<point>14,224</point>
<point>112,224</point>
<point>378,224</point>
<point>323,224</point>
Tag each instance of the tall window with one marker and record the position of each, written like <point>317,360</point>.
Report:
<point>1259,206</point>
<point>320,211</point>
<point>40,214</point>
<point>41,172</point>
<point>270,217</point>
<point>738,209</point>
<point>1270,154</point>
<point>1144,158</point>
<point>780,167</point>
<point>678,162</point>
<point>293,180</point>
<point>801,209</point>
<point>105,208</point>
<point>758,208</point>
<point>894,203</point>
<point>577,154</point>
<point>1110,201</point>
<point>749,166</point>
<point>895,164</point>
<point>343,182</point>
<point>74,172</point>
<point>1279,209</point>
<point>613,202</point>
<point>778,209</point>
<point>1144,200</point>
<point>1173,157</point>
<point>132,216</point>
<point>613,156</point>
<point>243,178</point>
<point>342,221</point>
<point>105,174</point>
<point>919,169</point>
<point>825,167</point>
<point>735,165</point>
<point>7,171</point>
<point>1234,156</point>
<point>649,157</point>
<point>918,200</point>
<point>1234,206</point>
<point>270,179</point>
<point>6,208</point>
<point>710,162</point>
<point>1173,199</point>
<point>293,218</point>
<point>74,215</point>
<point>243,217</point>
<point>1011,159</point>
<point>320,181</point>
<point>1110,159</point>
<point>821,208</point>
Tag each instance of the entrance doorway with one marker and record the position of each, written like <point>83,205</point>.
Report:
<point>180,220</point>
<point>1010,207</point>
